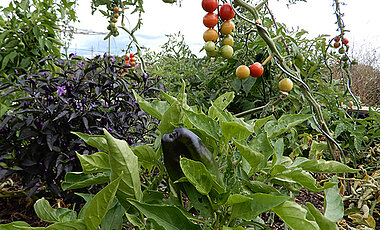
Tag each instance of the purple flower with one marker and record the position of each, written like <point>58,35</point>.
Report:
<point>80,64</point>
<point>61,90</point>
<point>112,59</point>
<point>135,104</point>
<point>134,84</point>
<point>43,74</point>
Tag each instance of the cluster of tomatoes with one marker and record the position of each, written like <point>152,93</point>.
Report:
<point>256,70</point>
<point>113,20</point>
<point>211,35</point>
<point>342,46</point>
<point>130,60</point>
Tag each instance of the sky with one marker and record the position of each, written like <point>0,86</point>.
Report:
<point>159,19</point>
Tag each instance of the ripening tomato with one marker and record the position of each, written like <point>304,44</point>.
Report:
<point>256,69</point>
<point>226,12</point>
<point>227,27</point>
<point>210,35</point>
<point>242,72</point>
<point>116,9</point>
<point>209,5</point>
<point>285,85</point>
<point>116,15</point>
<point>337,44</point>
<point>210,20</point>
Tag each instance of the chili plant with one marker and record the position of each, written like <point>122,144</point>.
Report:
<point>75,95</point>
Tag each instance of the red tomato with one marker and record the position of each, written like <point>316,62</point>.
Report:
<point>256,69</point>
<point>209,5</point>
<point>337,38</point>
<point>210,20</point>
<point>226,12</point>
<point>345,41</point>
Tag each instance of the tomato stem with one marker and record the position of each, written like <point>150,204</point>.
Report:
<point>268,59</point>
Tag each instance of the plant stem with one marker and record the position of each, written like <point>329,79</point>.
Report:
<point>293,74</point>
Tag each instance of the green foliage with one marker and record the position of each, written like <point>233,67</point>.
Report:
<point>29,31</point>
<point>244,193</point>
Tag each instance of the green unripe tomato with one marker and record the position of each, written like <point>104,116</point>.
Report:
<point>365,139</point>
<point>227,51</point>
<point>213,53</point>
<point>342,50</point>
<point>285,85</point>
<point>210,46</point>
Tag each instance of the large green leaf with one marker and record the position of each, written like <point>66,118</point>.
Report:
<point>224,100</point>
<point>233,129</point>
<point>17,225</point>
<point>146,155</point>
<point>44,211</point>
<point>249,208</point>
<point>322,166</point>
<point>174,115</point>
<point>294,215</point>
<point>222,115</point>
<point>97,162</point>
<point>301,177</point>
<point>322,221</point>
<point>262,145</point>
<point>75,180</point>
<point>100,204</point>
<point>278,151</point>
<point>123,160</point>
<point>333,203</point>
<point>204,123</point>
<point>261,122</point>
<point>165,217</point>
<point>198,175</point>
<point>97,141</point>
<point>156,109</point>
<point>114,217</point>
<point>284,124</point>
<point>69,225</point>
<point>253,157</point>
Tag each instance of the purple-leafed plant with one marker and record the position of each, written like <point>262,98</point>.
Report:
<point>80,95</point>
